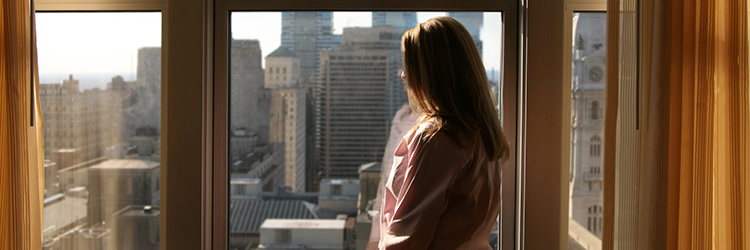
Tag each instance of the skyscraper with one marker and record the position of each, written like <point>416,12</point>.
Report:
<point>359,92</point>
<point>589,62</point>
<point>394,19</point>
<point>307,34</point>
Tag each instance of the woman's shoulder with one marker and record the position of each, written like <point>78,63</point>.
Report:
<point>446,140</point>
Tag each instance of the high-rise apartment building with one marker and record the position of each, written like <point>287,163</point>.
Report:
<point>589,62</point>
<point>473,22</point>
<point>288,111</point>
<point>359,92</point>
<point>394,19</point>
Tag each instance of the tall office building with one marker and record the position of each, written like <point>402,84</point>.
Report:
<point>359,92</point>
<point>394,19</point>
<point>288,110</point>
<point>589,62</point>
<point>473,22</point>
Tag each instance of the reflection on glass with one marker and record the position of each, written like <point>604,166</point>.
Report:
<point>587,130</point>
<point>100,91</point>
<point>317,101</point>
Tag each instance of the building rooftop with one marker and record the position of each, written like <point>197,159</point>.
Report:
<point>126,164</point>
<point>247,215</point>
<point>282,52</point>
<point>307,224</point>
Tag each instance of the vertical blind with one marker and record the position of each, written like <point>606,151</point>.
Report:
<point>676,176</point>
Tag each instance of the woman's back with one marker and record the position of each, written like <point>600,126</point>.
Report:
<point>443,194</point>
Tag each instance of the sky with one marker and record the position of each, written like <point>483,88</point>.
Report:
<point>100,45</point>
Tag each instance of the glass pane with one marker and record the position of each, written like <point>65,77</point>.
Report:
<point>317,106</point>
<point>587,130</point>
<point>100,90</point>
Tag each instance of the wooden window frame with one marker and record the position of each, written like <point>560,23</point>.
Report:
<point>572,6</point>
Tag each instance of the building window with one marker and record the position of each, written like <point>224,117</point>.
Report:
<point>595,110</point>
<point>595,219</point>
<point>595,170</point>
<point>595,149</point>
<point>336,189</point>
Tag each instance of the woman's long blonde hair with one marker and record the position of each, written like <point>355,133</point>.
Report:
<point>447,82</point>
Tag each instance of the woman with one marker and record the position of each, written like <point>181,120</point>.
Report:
<point>443,191</point>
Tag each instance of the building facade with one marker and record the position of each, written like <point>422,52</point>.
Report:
<point>359,92</point>
<point>88,120</point>
<point>587,128</point>
<point>288,111</point>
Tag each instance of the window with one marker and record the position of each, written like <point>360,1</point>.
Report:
<point>284,236</point>
<point>332,113</point>
<point>587,61</point>
<point>102,135</point>
<point>595,110</point>
<point>594,224</point>
<point>595,147</point>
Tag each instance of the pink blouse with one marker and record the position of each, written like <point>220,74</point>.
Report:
<point>440,195</point>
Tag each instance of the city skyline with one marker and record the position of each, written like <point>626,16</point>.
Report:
<point>59,58</point>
